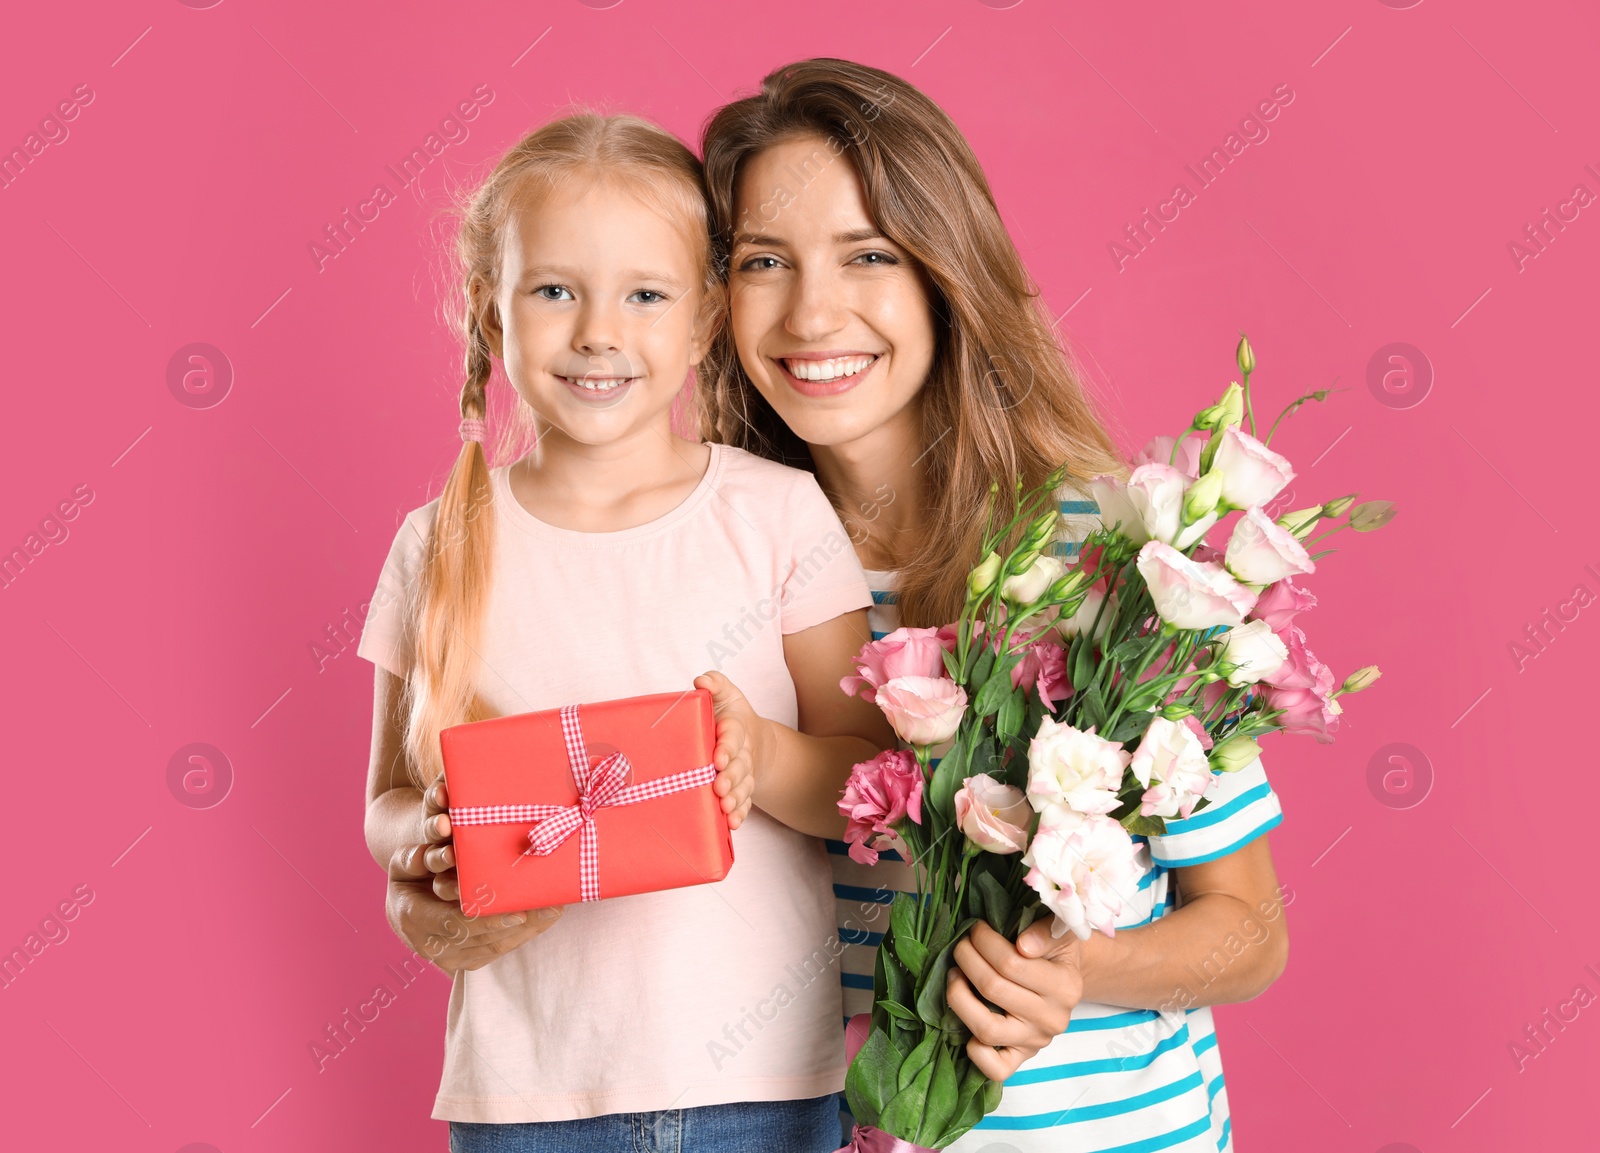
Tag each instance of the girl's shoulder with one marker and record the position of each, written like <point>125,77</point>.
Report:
<point>741,469</point>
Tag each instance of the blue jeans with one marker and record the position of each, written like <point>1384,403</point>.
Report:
<point>808,1126</point>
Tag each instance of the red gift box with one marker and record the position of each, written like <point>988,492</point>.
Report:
<point>530,832</point>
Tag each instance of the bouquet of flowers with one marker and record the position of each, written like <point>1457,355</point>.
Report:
<point>1068,711</point>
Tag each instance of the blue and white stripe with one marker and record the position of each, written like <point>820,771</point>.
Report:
<point>1118,1080</point>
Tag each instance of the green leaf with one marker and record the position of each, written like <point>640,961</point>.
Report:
<point>940,1108</point>
<point>996,901</point>
<point>1028,916</point>
<point>1081,661</point>
<point>971,1096</point>
<point>984,758</point>
<point>872,1081</point>
<point>1010,719</point>
<point>951,664</point>
<point>982,663</point>
<point>897,1010</point>
<point>904,1113</point>
<point>921,1057</point>
<point>1127,650</point>
<point>930,994</point>
<point>994,691</point>
<point>1092,708</point>
<point>913,952</point>
<point>903,916</point>
<point>1129,726</point>
<point>951,770</point>
<point>1137,823</point>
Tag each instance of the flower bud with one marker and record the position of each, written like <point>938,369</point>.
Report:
<point>1337,508</point>
<point>983,577</point>
<point>1374,514</point>
<point>1232,755</point>
<point>1360,679</point>
<point>1301,521</point>
<point>1176,712</point>
<point>1068,585</point>
<point>1245,356</point>
<point>1202,496</point>
<point>1042,528</point>
<point>1229,410</point>
<point>1032,583</point>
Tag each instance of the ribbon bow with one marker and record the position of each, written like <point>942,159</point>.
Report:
<point>598,788</point>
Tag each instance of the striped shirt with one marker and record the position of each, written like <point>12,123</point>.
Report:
<point>1118,1080</point>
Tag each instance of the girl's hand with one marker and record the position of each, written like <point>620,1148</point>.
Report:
<point>744,740</point>
<point>1038,989</point>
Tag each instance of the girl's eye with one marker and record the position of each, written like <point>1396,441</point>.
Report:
<point>552,292</point>
<point>759,264</point>
<point>647,296</point>
<point>875,258</point>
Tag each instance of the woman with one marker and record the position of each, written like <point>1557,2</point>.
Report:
<point>884,332</point>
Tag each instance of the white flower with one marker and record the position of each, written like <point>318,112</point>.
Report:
<point>1253,650</point>
<point>1252,474</point>
<point>1073,768</point>
<point>1171,762</point>
<point>1191,594</point>
<point>1261,551</point>
<point>1085,870</point>
<point>1028,586</point>
<point>1080,621</point>
<point>1150,506</point>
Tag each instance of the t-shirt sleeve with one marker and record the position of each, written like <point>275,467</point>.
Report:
<point>824,578</point>
<point>1242,807</point>
<point>1080,516</point>
<point>384,640</point>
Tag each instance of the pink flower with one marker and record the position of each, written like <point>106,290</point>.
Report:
<point>923,710</point>
<point>903,653</point>
<point>994,816</point>
<point>1073,768</point>
<point>1084,868</point>
<point>1252,474</point>
<point>1191,594</point>
<point>1260,551</point>
<point>1159,451</point>
<point>1149,505</point>
<point>1304,711</point>
<point>880,793</point>
<point>1043,668</point>
<point>1279,603</point>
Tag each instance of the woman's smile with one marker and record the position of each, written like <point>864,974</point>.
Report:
<point>825,373</point>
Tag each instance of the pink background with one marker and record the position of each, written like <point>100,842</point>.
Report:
<point>222,542</point>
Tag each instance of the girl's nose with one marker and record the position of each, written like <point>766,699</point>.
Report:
<point>599,331</point>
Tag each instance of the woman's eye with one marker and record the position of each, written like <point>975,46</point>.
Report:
<point>759,264</point>
<point>875,258</point>
<point>552,292</point>
<point>647,296</point>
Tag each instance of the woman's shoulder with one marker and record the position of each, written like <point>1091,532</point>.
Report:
<point>1080,516</point>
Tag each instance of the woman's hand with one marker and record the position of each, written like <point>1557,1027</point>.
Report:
<point>744,740</point>
<point>1038,982</point>
<point>424,902</point>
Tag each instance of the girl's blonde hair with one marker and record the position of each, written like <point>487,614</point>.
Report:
<point>1002,399</point>
<point>445,614</point>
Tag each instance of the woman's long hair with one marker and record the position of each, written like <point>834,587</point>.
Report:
<point>445,615</point>
<point>1001,391</point>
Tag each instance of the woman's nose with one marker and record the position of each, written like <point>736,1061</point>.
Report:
<point>815,307</point>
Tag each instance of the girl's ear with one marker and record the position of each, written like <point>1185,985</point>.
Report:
<point>709,318</point>
<point>483,303</point>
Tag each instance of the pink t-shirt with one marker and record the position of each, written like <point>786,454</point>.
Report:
<point>698,996</point>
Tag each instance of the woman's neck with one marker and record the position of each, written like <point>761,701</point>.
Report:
<point>877,483</point>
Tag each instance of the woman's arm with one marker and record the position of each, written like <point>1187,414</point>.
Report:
<point>408,834</point>
<point>797,775</point>
<point>1227,941</point>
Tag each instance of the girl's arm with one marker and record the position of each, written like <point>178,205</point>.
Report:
<point>796,776</point>
<point>408,835</point>
<point>1226,942</point>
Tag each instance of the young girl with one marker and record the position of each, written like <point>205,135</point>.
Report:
<point>617,559</point>
<point>884,331</point>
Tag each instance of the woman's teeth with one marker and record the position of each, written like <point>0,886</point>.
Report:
<point>828,370</point>
<point>597,383</point>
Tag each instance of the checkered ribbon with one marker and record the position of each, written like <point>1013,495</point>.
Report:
<point>598,788</point>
